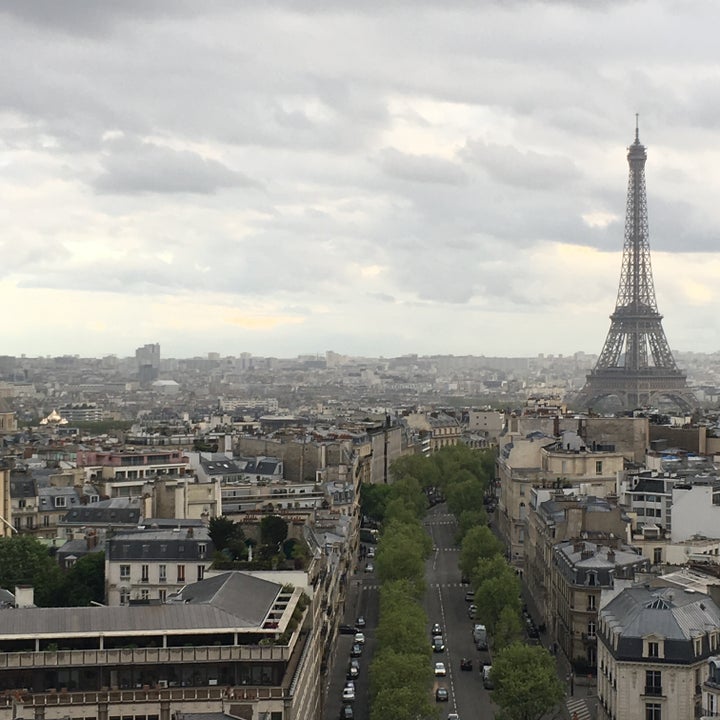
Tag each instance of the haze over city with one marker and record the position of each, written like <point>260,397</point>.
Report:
<point>375,178</point>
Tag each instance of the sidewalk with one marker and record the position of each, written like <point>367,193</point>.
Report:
<point>580,690</point>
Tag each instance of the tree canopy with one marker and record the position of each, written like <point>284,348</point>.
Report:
<point>273,530</point>
<point>24,560</point>
<point>526,682</point>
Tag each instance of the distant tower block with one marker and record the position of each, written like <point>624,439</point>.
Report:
<point>636,365</point>
<point>148,363</point>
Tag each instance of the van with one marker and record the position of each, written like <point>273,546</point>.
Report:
<point>480,637</point>
<point>487,677</point>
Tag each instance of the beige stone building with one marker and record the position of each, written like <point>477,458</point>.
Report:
<point>557,516</point>
<point>581,570</point>
<point>539,461</point>
<point>654,647</point>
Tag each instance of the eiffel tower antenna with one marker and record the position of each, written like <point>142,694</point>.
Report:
<point>636,364</point>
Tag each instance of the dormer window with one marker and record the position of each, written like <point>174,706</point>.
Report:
<point>60,501</point>
<point>654,647</point>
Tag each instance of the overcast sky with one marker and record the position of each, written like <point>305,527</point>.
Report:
<point>373,178</point>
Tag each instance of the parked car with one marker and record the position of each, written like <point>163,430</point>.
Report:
<point>437,644</point>
<point>442,695</point>
<point>369,567</point>
<point>353,669</point>
<point>469,596</point>
<point>436,630</point>
<point>356,650</point>
<point>453,716</point>
<point>466,664</point>
<point>348,694</point>
<point>360,622</point>
<point>440,669</point>
<point>371,553</point>
<point>487,677</point>
<point>346,712</point>
<point>360,638</point>
<point>347,630</point>
<point>472,610</point>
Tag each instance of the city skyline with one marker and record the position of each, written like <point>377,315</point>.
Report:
<point>431,178</point>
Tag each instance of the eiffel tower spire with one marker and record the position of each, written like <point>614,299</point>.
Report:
<point>636,364</point>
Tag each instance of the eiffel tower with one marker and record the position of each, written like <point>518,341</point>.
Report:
<point>636,364</point>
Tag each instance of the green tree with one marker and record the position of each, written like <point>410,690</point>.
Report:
<point>401,703</point>
<point>373,499</point>
<point>221,531</point>
<point>24,560</point>
<point>273,530</point>
<point>467,520</point>
<point>423,469</point>
<point>391,669</point>
<point>408,491</point>
<point>468,494</point>
<point>488,568</point>
<point>526,682</point>
<point>478,543</point>
<point>84,582</point>
<point>508,629</point>
<point>495,594</point>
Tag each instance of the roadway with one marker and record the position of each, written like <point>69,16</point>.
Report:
<point>445,604</point>
<point>363,598</point>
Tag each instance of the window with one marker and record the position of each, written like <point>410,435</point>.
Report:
<point>591,602</point>
<point>598,467</point>
<point>21,503</point>
<point>124,572</point>
<point>144,594</point>
<point>124,596</point>
<point>60,501</point>
<point>181,573</point>
<point>652,711</point>
<point>697,642</point>
<point>592,578</point>
<point>200,572</point>
<point>591,629</point>
<point>144,573</point>
<point>202,549</point>
<point>653,649</point>
<point>162,573</point>
<point>46,521</point>
<point>653,682</point>
<point>657,555</point>
<point>29,522</point>
<point>162,594</point>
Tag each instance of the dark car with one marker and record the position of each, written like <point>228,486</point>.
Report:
<point>347,630</point>
<point>436,630</point>
<point>437,644</point>
<point>442,695</point>
<point>353,669</point>
<point>356,650</point>
<point>466,664</point>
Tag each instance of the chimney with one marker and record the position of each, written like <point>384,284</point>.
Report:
<point>611,555</point>
<point>24,596</point>
<point>190,532</point>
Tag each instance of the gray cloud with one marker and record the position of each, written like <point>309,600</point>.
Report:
<point>420,168</point>
<point>131,168</point>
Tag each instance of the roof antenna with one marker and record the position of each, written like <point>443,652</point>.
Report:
<point>637,131</point>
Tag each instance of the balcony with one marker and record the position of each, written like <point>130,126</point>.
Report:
<point>145,656</point>
<point>653,691</point>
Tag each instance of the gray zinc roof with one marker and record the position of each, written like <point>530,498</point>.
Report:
<point>231,600</point>
<point>668,612</point>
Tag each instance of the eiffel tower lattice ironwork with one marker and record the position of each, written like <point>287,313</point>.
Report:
<point>636,364</point>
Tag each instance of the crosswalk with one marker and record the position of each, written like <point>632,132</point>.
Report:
<point>578,709</point>
<point>369,586</point>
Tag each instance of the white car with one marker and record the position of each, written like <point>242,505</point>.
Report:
<point>360,638</point>
<point>440,669</point>
<point>348,694</point>
<point>453,716</point>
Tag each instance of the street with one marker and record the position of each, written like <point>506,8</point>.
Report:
<point>445,604</point>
